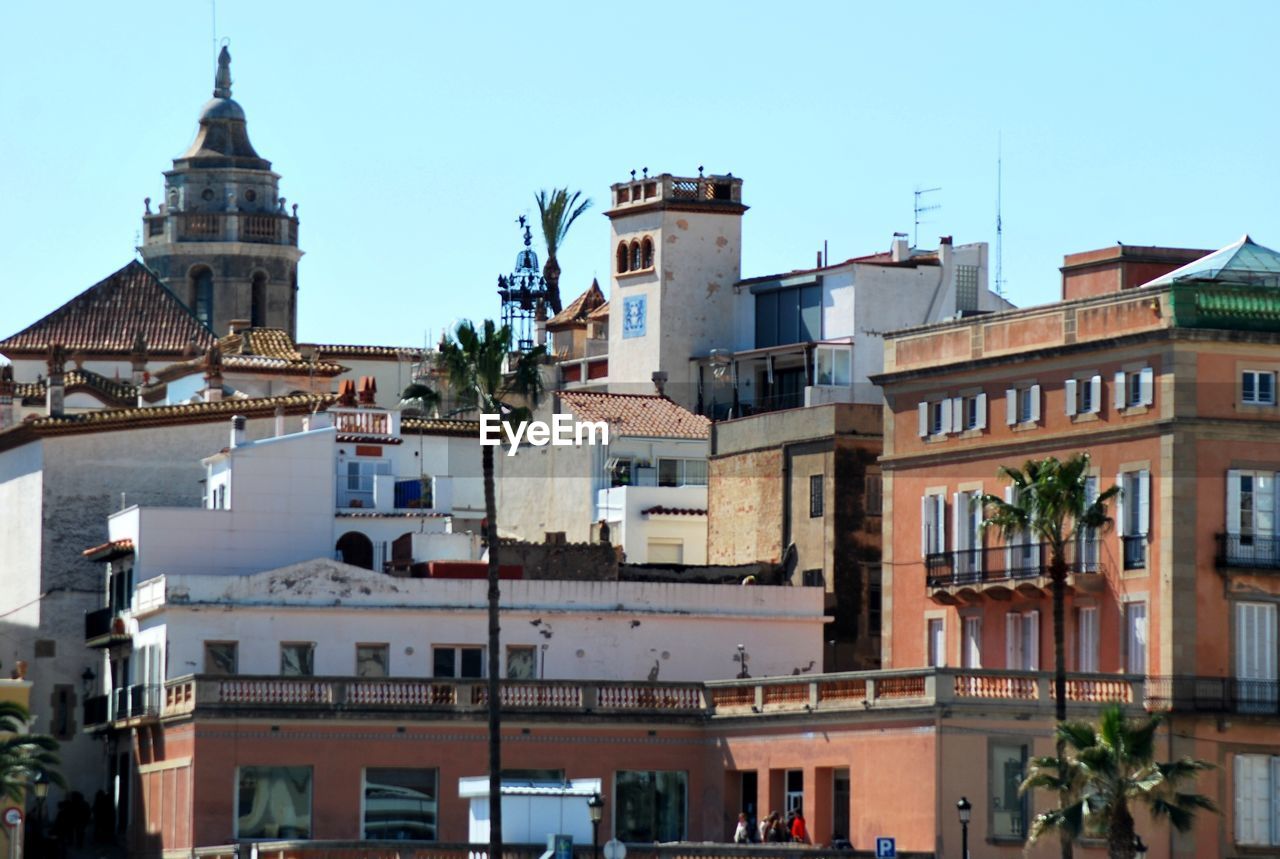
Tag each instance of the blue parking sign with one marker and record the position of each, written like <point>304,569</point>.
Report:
<point>886,848</point>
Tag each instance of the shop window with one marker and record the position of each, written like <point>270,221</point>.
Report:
<point>400,805</point>
<point>1008,805</point>
<point>650,806</point>
<point>273,802</point>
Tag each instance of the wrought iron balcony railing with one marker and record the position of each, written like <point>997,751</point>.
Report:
<point>1189,694</point>
<point>1249,551</point>
<point>1006,563</point>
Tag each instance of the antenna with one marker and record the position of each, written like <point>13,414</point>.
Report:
<point>920,210</point>
<point>999,221</point>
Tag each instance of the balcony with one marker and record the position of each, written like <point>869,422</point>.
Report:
<point>123,708</point>
<point>102,628</point>
<point>1249,552</point>
<point>999,570</point>
<point>97,711</point>
<point>1229,695</point>
<point>273,228</point>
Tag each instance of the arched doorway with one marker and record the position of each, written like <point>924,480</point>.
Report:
<point>356,549</point>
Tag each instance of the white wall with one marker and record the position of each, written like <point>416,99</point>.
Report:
<point>591,630</point>
<point>622,507</point>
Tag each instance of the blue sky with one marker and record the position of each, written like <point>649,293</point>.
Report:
<point>411,134</point>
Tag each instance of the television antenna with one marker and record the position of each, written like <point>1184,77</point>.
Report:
<point>999,221</point>
<point>920,210</point>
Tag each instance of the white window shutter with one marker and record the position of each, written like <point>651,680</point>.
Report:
<point>976,515</point>
<point>1274,791</point>
<point>982,410</point>
<point>1031,631</point>
<point>1008,544</point>
<point>1035,404</point>
<point>959,420</point>
<point>1119,392</point>
<point>1144,501</point>
<point>940,516</point>
<point>924,419</point>
<point>1245,824</point>
<point>1011,406</point>
<point>946,415</point>
<point>926,533</point>
<point>1147,383</point>
<point>1095,392</point>
<point>1233,501</point>
<point>957,535</point>
<point>1122,499</point>
<point>1012,636</point>
<point>1069,394</point>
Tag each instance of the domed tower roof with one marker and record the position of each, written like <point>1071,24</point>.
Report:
<point>223,138</point>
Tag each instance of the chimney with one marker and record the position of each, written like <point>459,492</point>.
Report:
<point>138,359</point>
<point>660,382</point>
<point>944,250</point>
<point>367,395</point>
<point>900,250</point>
<point>237,430</point>
<point>238,325</point>
<point>57,363</point>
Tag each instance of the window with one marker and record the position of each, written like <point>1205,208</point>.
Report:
<point>646,253</point>
<point>834,365</point>
<point>400,804</point>
<point>635,256</point>
<point>873,494</point>
<point>1133,510</point>
<point>258,301</point>
<point>62,724</point>
<point>273,802</point>
<point>650,806</point>
<point>875,600</point>
<point>373,660</point>
<point>933,535</point>
<point>1258,387</point>
<point>522,662</point>
<point>618,471</point>
<point>464,662</point>
<point>623,257</point>
<point>791,315</point>
<point>1251,517</point>
<point>966,287</point>
<point>1257,795</point>
<point>815,495</point>
<point>1022,405</point>
<point>1022,553</point>
<point>935,417</point>
<point>1087,639</point>
<point>202,295</point>
<point>1022,641</point>
<point>1135,637</point>
<point>1083,396</point>
<point>971,643</point>
<point>297,659</point>
<point>969,413</point>
<point>682,472</point>
<point>665,552</point>
<point>812,579</point>
<point>793,800</point>
<point>1255,657</point>
<point>966,522</point>
<point>221,658</point>
<point>1135,388</point>
<point>936,640</point>
<point>1008,806</point>
<point>355,485</point>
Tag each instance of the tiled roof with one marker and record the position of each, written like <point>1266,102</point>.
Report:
<point>264,342</point>
<point>255,350</point>
<point>601,312</point>
<point>577,310</point>
<point>439,426</point>
<point>110,391</point>
<point>643,415</point>
<point>326,350</point>
<point>108,316</point>
<point>672,511</point>
<point>110,549</point>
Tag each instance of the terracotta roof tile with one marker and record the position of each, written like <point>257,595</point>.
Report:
<point>108,316</point>
<point>672,511</point>
<point>110,391</point>
<point>439,426</point>
<point>601,312</point>
<point>577,310</point>
<point>328,350</point>
<point>110,549</point>
<point>148,416</point>
<point>645,415</point>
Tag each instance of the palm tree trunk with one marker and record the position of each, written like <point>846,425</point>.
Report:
<point>551,274</point>
<point>1058,580</point>
<point>1120,833</point>
<point>494,697</point>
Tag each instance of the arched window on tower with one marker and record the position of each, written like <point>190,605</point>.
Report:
<point>258,308</point>
<point>646,253</point>
<point>622,257</point>
<point>635,256</point>
<point>202,294</point>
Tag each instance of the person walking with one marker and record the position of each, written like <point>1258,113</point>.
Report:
<point>799,833</point>
<point>742,835</point>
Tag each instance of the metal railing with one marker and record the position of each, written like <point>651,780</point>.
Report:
<point>1006,563</point>
<point>133,702</point>
<point>1213,695</point>
<point>97,623</point>
<point>1249,551</point>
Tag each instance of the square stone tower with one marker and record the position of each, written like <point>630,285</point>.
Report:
<point>677,252</point>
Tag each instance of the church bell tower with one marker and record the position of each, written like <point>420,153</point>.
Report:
<point>223,240</point>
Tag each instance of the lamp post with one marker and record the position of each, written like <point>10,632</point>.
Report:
<point>595,808</point>
<point>40,786</point>
<point>964,808</point>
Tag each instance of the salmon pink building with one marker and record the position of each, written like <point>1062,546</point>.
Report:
<point>1170,387</point>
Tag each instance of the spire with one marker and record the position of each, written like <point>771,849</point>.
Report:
<point>222,81</point>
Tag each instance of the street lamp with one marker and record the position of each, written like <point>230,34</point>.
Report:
<point>964,808</point>
<point>40,786</point>
<point>595,808</point>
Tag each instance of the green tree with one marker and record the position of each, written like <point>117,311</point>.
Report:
<point>24,756</point>
<point>420,398</point>
<point>558,210</point>
<point>1110,770</point>
<point>485,375</point>
<point>1052,505</point>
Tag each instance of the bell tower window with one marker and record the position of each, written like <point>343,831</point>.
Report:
<point>635,256</point>
<point>258,307</point>
<point>623,257</point>
<point>202,294</point>
<point>646,253</point>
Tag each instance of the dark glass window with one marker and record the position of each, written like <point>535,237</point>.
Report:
<point>815,495</point>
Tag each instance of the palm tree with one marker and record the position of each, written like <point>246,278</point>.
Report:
<point>485,376</point>
<point>1109,770</point>
<point>1051,504</point>
<point>24,756</point>
<point>419,398</point>
<point>558,210</point>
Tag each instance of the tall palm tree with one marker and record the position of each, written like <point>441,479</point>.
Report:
<point>1109,770</point>
<point>24,756</point>
<point>558,210</point>
<point>1051,504</point>
<point>486,376</point>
